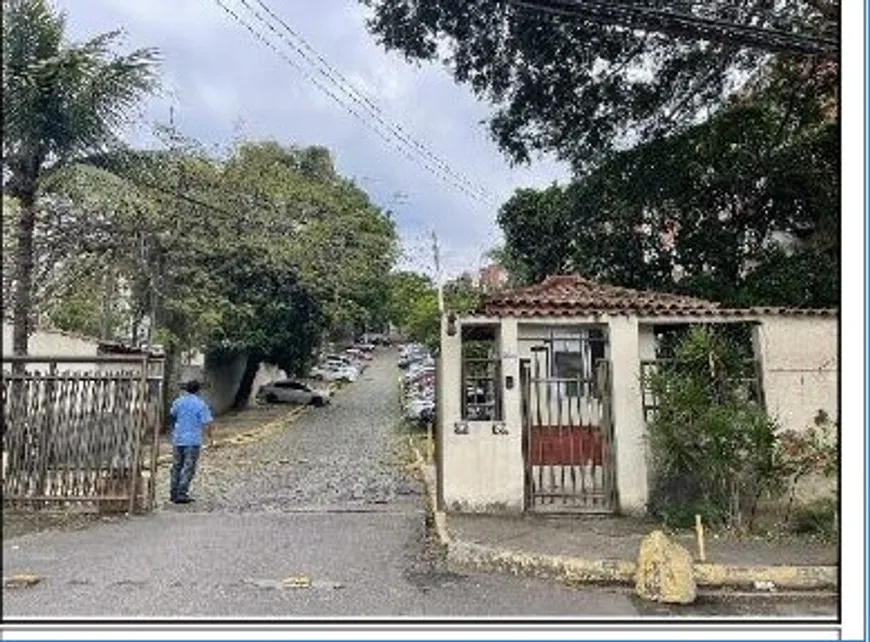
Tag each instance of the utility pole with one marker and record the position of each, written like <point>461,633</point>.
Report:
<point>438,284</point>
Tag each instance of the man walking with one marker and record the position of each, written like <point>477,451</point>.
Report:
<point>191,416</point>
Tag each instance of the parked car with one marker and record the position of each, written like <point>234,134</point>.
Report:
<point>334,372</point>
<point>289,391</point>
<point>420,408</point>
<point>359,354</point>
<point>344,361</point>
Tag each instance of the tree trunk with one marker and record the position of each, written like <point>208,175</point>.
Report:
<point>170,383</point>
<point>23,274</point>
<point>243,394</point>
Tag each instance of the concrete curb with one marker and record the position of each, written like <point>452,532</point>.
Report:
<point>610,572</point>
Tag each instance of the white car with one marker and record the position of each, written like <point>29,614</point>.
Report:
<point>328,372</point>
<point>289,391</point>
<point>343,366</point>
<point>343,361</point>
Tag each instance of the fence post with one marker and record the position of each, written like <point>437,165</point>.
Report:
<point>138,433</point>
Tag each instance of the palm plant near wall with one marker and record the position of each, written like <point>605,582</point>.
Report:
<point>61,103</point>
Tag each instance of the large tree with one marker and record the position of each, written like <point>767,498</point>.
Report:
<point>585,84</point>
<point>743,208</point>
<point>61,101</point>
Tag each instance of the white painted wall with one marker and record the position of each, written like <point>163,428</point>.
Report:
<point>266,373</point>
<point>799,366</point>
<point>480,471</point>
<point>629,426</point>
<point>54,343</point>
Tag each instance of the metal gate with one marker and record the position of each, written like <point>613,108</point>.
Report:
<point>81,432</point>
<point>568,432</point>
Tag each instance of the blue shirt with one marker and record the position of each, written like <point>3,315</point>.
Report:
<point>191,415</point>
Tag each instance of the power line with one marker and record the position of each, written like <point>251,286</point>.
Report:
<point>345,86</point>
<point>259,36</point>
<point>685,24</point>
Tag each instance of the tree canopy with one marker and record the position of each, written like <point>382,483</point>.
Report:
<point>61,101</point>
<point>582,87</point>
<point>413,304</point>
<point>736,209</point>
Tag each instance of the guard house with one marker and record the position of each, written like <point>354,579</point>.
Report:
<point>541,406</point>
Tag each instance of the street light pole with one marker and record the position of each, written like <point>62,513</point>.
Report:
<point>438,283</point>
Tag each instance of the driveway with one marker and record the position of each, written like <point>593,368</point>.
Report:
<point>319,519</point>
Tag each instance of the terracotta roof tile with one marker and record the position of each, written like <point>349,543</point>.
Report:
<point>574,295</point>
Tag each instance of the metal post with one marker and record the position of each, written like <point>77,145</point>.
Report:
<point>138,433</point>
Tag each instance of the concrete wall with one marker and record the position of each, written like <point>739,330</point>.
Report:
<point>480,471</point>
<point>799,366</point>
<point>221,380</point>
<point>800,373</point>
<point>54,343</point>
<point>629,426</point>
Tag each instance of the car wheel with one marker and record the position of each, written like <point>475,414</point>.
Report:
<point>317,402</point>
<point>271,398</point>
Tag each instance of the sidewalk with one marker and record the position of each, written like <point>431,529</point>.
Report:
<point>603,550</point>
<point>620,537</point>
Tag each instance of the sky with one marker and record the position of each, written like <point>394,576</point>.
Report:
<point>220,83</point>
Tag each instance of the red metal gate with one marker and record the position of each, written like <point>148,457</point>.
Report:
<point>567,440</point>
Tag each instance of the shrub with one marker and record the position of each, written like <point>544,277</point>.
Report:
<point>712,445</point>
<point>812,451</point>
<point>819,517</point>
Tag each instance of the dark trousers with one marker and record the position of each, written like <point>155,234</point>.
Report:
<point>183,468</point>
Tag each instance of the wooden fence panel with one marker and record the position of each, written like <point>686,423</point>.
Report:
<point>76,437</point>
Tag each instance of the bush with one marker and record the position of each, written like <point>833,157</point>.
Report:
<point>812,451</point>
<point>712,445</point>
<point>816,518</point>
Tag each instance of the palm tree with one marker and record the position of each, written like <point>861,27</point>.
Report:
<point>61,102</point>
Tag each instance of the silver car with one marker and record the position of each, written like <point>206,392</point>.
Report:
<point>289,391</point>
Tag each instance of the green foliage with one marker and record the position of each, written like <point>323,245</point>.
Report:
<point>424,321</point>
<point>819,517</point>
<point>712,447</point>
<point>741,209</point>
<point>405,290</point>
<point>87,309</point>
<point>61,102</point>
<point>414,304</point>
<point>575,87</point>
<point>802,453</point>
<point>261,252</point>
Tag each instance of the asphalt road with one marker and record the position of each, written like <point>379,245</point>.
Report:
<point>318,520</point>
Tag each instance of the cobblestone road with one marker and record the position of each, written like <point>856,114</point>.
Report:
<point>346,455</point>
<point>316,519</point>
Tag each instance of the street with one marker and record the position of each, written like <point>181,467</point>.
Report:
<point>320,519</point>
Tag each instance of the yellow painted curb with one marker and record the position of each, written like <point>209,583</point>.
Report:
<point>798,578</point>
<point>576,570</point>
<point>249,436</point>
<point>439,518</point>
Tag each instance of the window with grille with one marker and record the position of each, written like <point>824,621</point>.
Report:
<point>481,374</point>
